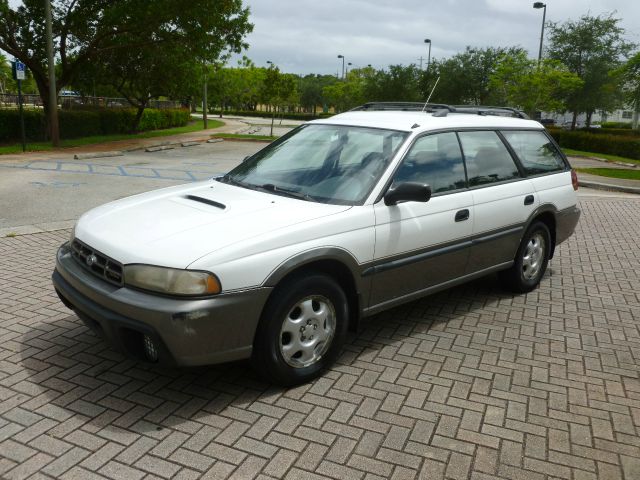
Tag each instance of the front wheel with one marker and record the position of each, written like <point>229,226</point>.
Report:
<point>531,260</point>
<point>302,329</point>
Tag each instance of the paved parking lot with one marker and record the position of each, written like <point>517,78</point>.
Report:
<point>43,192</point>
<point>471,383</point>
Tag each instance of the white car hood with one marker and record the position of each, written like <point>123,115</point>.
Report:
<point>166,228</point>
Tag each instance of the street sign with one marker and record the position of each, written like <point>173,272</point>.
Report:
<point>19,70</point>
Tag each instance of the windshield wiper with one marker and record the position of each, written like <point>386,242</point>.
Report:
<point>270,187</point>
<point>232,181</point>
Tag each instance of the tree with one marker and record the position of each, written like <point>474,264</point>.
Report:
<point>347,93</point>
<point>149,73</point>
<point>630,76</point>
<point>592,48</point>
<point>399,83</point>
<point>90,32</point>
<point>5,74</point>
<point>312,91</point>
<point>532,86</point>
<point>278,90</point>
<point>465,78</point>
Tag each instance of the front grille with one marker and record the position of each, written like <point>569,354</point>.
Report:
<point>97,263</point>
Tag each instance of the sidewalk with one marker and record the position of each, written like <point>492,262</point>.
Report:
<point>603,183</point>
<point>231,125</point>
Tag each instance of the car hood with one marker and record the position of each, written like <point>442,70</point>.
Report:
<point>174,227</point>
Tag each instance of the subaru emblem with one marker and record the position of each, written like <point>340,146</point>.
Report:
<point>91,259</point>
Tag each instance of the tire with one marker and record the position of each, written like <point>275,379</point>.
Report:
<point>530,262</point>
<point>302,329</point>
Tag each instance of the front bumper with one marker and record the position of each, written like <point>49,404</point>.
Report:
<point>185,331</point>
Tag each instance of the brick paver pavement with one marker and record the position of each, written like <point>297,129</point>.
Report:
<point>471,383</point>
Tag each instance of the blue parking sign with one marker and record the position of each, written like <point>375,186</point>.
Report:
<point>19,70</point>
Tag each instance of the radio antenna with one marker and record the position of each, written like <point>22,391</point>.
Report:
<point>432,90</point>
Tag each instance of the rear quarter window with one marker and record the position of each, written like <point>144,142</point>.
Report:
<point>535,151</point>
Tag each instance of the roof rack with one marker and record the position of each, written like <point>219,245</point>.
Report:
<point>490,110</point>
<point>403,106</point>
<point>433,107</point>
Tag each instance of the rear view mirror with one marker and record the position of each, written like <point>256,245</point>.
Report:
<point>408,192</point>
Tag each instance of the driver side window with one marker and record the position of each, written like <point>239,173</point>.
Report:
<point>435,160</point>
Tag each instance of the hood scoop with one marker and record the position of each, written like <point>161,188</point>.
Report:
<point>206,201</point>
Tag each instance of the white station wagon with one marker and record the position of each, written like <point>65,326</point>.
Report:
<point>337,220</point>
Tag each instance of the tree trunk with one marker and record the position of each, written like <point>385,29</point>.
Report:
<point>636,113</point>
<point>43,90</point>
<point>574,120</point>
<point>588,121</point>
<point>136,121</point>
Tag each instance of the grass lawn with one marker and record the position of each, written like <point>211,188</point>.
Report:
<point>243,136</point>
<point>612,172</point>
<point>193,126</point>
<point>606,156</point>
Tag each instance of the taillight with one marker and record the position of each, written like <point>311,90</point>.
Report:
<point>574,179</point>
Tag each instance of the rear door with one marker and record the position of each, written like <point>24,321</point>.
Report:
<point>418,244</point>
<point>503,199</point>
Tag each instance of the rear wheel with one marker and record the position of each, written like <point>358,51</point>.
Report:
<point>531,260</point>
<point>301,330</point>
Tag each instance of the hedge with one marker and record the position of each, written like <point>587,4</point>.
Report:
<point>89,122</point>
<point>623,132</point>
<point>625,125</point>
<point>622,146</point>
<point>261,113</point>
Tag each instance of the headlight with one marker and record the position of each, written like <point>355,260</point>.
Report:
<point>171,280</point>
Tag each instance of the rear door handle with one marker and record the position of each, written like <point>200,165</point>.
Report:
<point>462,215</point>
<point>528,200</point>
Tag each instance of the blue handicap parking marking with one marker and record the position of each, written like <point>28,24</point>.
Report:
<point>114,170</point>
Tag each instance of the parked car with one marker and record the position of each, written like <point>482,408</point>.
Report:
<point>337,220</point>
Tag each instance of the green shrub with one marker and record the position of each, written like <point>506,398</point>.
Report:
<point>622,146</point>
<point>10,125</point>
<point>288,116</point>
<point>80,123</point>
<point>624,132</point>
<point>625,125</point>
<point>89,121</point>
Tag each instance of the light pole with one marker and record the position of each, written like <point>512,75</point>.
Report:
<point>539,5</point>
<point>53,100</point>
<point>427,40</point>
<point>348,65</point>
<point>342,57</point>
<point>205,106</point>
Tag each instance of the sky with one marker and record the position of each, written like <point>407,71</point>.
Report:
<point>306,36</point>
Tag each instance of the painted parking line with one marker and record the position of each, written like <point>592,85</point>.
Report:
<point>115,170</point>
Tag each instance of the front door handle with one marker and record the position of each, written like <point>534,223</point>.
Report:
<point>528,200</point>
<point>462,215</point>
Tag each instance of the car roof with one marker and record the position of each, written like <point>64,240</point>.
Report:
<point>411,121</point>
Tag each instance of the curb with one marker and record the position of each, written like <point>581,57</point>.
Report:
<point>157,148</point>
<point>250,140</point>
<point>84,156</point>
<point>609,187</point>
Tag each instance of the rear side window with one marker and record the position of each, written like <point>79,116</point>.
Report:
<point>488,160</point>
<point>435,160</point>
<point>535,151</point>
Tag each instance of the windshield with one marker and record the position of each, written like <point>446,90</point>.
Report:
<point>322,163</point>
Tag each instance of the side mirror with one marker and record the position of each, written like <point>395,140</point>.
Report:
<point>408,192</point>
<point>246,158</point>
